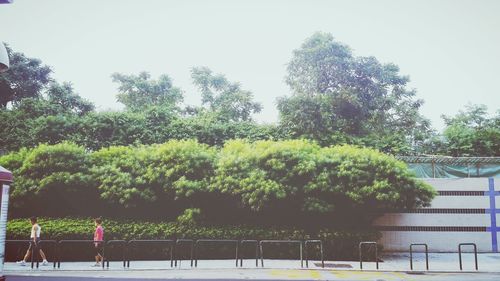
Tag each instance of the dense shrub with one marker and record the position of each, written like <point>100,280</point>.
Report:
<point>157,179</point>
<point>291,178</point>
<point>52,179</point>
<point>294,183</point>
<point>339,244</point>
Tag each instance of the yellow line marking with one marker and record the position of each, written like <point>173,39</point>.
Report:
<point>296,273</point>
<point>371,275</point>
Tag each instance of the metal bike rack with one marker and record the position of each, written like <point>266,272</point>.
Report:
<point>361,252</point>
<point>242,242</point>
<point>28,242</point>
<point>280,242</point>
<point>426,255</point>
<point>19,251</point>
<point>320,249</point>
<point>169,242</point>
<point>460,252</point>
<point>54,247</point>
<point>220,241</point>
<point>64,242</point>
<point>111,242</point>
<point>178,243</point>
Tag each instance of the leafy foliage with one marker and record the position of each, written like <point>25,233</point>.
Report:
<point>473,133</point>
<point>339,98</point>
<point>26,78</point>
<point>293,178</point>
<point>51,178</point>
<point>274,182</point>
<point>138,92</point>
<point>226,99</point>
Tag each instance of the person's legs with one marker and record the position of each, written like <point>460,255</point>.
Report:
<point>27,255</point>
<point>42,254</point>
<point>98,256</point>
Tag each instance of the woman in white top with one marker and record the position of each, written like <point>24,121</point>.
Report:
<point>34,243</point>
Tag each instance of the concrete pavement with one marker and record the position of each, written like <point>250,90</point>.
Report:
<point>395,267</point>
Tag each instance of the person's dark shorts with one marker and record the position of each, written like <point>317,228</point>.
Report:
<point>98,248</point>
<point>34,244</point>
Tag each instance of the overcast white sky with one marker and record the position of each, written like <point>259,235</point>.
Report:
<point>450,49</point>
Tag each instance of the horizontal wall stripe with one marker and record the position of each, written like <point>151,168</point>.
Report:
<point>433,228</point>
<point>467,193</point>
<point>441,211</point>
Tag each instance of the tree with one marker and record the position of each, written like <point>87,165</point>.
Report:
<point>26,78</point>
<point>63,96</point>
<point>471,133</point>
<point>227,99</point>
<point>138,92</point>
<point>338,97</point>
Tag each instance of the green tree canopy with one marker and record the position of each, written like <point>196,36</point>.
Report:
<point>227,99</point>
<point>138,92</point>
<point>26,78</point>
<point>337,96</point>
<point>471,132</point>
<point>63,96</point>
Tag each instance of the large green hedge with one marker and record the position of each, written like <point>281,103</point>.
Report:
<point>292,182</point>
<point>338,243</point>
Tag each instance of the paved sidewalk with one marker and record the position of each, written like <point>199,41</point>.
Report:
<point>394,267</point>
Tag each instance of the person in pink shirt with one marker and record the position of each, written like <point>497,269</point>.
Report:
<point>98,241</point>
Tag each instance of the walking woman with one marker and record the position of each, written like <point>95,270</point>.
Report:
<point>98,241</point>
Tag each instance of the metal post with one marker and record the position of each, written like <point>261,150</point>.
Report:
<point>201,241</point>
<point>301,259</point>
<point>320,248</point>
<point>460,253</point>
<point>426,255</point>
<point>172,254</point>
<point>179,242</point>
<point>242,242</point>
<point>261,255</point>
<point>460,256</point>
<point>257,254</point>
<point>132,242</point>
<point>281,241</point>
<point>192,249</point>
<point>307,256</point>
<point>361,253</point>
<point>33,246</point>
<point>237,243</point>
<point>59,255</point>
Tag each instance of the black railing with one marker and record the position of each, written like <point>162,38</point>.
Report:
<point>62,243</point>
<point>280,242</point>
<point>215,241</point>
<point>460,253</point>
<point>361,252</point>
<point>179,243</point>
<point>320,251</point>
<point>175,247</point>
<point>27,242</point>
<point>53,243</point>
<point>109,248</point>
<point>256,242</point>
<point>426,255</point>
<point>170,243</point>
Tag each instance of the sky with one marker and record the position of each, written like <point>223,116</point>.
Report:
<point>449,49</point>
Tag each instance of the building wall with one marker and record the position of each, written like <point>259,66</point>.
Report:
<point>465,211</point>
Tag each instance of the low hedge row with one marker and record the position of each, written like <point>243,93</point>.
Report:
<point>338,244</point>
